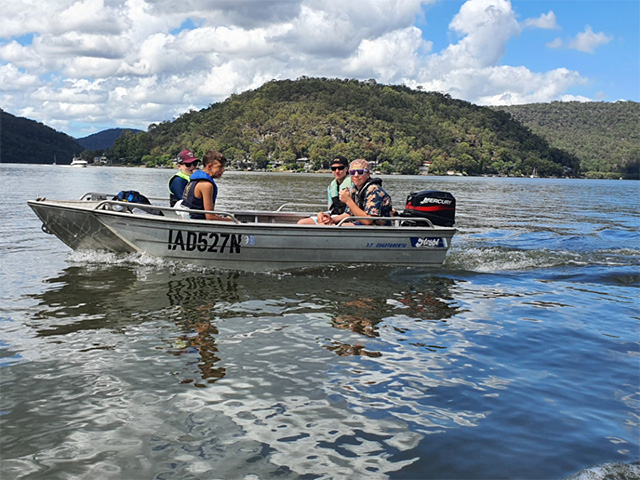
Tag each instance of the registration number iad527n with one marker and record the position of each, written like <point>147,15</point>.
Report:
<point>204,241</point>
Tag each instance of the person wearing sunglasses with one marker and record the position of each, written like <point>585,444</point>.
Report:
<point>341,181</point>
<point>367,198</point>
<point>187,164</point>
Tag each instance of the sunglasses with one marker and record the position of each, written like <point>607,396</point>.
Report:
<point>358,171</point>
<point>339,167</point>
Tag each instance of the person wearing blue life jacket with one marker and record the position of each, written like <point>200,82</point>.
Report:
<point>201,191</point>
<point>187,164</point>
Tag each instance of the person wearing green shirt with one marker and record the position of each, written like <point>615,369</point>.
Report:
<point>341,181</point>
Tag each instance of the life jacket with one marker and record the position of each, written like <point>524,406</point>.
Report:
<point>360,197</point>
<point>189,199</point>
<point>172,197</point>
<point>336,207</point>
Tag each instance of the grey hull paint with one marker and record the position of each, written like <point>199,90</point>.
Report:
<point>260,241</point>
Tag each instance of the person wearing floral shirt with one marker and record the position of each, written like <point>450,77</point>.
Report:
<point>367,198</point>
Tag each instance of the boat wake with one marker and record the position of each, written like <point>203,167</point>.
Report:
<point>619,267</point>
<point>610,471</point>
<point>498,259</point>
<point>88,257</point>
<point>99,259</point>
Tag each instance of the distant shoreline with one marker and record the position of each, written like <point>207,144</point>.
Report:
<point>326,172</point>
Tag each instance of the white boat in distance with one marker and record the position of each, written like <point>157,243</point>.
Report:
<point>251,241</point>
<point>78,162</point>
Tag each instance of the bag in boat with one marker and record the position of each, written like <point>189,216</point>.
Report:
<point>131,196</point>
<point>181,210</point>
<point>438,207</point>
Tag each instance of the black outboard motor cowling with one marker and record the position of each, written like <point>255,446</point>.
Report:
<point>439,207</point>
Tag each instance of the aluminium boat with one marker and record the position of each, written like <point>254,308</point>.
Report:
<point>250,241</point>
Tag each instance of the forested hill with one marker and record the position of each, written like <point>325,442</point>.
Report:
<point>605,136</point>
<point>27,141</point>
<point>397,127</point>
<point>104,139</point>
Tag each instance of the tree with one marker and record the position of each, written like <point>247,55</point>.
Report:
<point>260,160</point>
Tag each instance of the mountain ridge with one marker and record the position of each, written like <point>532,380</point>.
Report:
<point>103,139</point>
<point>26,141</point>
<point>605,136</point>
<point>47,145</point>
<point>399,128</point>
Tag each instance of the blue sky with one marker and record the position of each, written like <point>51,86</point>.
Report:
<point>130,63</point>
<point>613,68</point>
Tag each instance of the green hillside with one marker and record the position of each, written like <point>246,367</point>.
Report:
<point>604,136</point>
<point>397,127</point>
<point>104,139</point>
<point>27,141</point>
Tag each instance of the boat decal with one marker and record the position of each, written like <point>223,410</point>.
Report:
<point>204,241</point>
<point>386,245</point>
<point>428,242</point>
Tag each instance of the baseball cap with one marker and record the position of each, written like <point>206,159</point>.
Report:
<point>339,159</point>
<point>187,157</point>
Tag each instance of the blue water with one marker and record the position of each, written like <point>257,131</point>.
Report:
<point>520,358</point>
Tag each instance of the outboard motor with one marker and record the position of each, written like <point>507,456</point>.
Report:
<point>439,207</point>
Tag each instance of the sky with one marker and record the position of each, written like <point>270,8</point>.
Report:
<point>87,65</point>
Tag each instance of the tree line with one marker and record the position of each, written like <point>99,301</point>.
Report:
<point>27,141</point>
<point>605,136</point>
<point>399,128</point>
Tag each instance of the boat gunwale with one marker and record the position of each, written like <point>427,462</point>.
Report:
<point>98,208</point>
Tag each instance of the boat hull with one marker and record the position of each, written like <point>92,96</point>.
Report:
<point>76,225</point>
<point>262,241</point>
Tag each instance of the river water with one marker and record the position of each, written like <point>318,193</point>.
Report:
<point>520,358</point>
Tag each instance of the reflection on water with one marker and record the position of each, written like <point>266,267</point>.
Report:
<point>92,296</point>
<point>362,315</point>
<point>200,336</point>
<point>280,405</point>
<point>260,340</point>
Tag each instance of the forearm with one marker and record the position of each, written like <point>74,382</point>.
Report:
<point>356,211</point>
<point>213,216</point>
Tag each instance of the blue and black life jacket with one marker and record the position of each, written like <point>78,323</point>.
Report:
<point>132,196</point>
<point>189,199</point>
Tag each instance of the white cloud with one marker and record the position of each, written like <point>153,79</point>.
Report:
<point>586,41</point>
<point>575,98</point>
<point>14,80</point>
<point>512,86</point>
<point>545,21</point>
<point>485,27</point>
<point>144,61</point>
<point>388,58</point>
<point>470,68</point>
<point>19,56</point>
<point>90,16</point>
